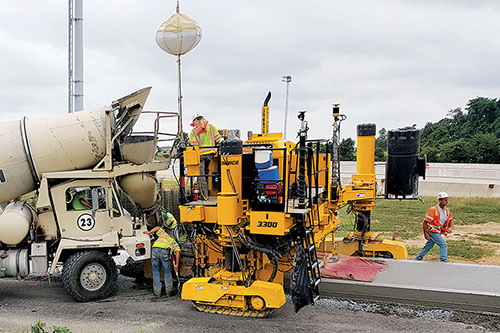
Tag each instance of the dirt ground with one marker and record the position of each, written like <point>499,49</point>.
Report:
<point>22,303</point>
<point>133,309</point>
<point>468,232</point>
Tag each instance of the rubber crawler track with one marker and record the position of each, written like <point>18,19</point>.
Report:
<point>232,311</point>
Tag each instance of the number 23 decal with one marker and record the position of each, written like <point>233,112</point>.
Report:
<point>85,222</point>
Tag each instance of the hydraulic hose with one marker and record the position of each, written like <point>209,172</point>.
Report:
<point>272,255</point>
<point>366,226</point>
<point>238,259</point>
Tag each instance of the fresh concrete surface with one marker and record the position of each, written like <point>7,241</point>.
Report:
<point>447,285</point>
<point>443,276</point>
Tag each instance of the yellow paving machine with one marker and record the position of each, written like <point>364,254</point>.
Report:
<point>273,207</point>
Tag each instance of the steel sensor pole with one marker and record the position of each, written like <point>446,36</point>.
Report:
<point>287,79</point>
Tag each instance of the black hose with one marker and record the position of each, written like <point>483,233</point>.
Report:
<point>182,188</point>
<point>238,259</point>
<point>362,216</point>
<point>261,247</point>
<point>270,254</point>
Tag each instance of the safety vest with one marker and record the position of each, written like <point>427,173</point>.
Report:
<point>165,241</point>
<point>207,138</point>
<point>432,219</point>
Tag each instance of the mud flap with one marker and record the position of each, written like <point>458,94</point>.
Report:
<point>302,294</point>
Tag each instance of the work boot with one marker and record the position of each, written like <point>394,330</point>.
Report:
<point>171,292</point>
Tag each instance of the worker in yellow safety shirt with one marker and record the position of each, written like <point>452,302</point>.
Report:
<point>169,221</point>
<point>204,135</point>
<point>161,252</point>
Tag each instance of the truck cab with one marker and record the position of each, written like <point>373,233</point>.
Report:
<point>84,234</point>
<point>79,169</point>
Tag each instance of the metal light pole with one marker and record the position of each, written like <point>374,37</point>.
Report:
<point>287,79</point>
<point>179,86</point>
<point>75,55</point>
<point>78,19</point>
<point>70,56</point>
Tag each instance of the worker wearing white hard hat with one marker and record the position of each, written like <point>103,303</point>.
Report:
<point>437,222</point>
<point>196,117</point>
<point>205,136</point>
<point>443,195</point>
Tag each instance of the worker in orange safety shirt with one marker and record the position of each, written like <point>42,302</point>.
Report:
<point>438,221</point>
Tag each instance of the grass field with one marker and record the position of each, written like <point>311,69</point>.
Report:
<point>477,225</point>
<point>476,237</point>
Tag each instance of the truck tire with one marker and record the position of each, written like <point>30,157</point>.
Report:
<point>90,275</point>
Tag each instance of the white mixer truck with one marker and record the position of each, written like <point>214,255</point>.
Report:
<point>78,164</point>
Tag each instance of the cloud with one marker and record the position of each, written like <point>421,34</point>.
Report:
<point>393,63</point>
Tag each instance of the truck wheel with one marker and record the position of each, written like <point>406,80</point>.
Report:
<point>90,275</point>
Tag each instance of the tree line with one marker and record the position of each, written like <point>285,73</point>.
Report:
<point>463,136</point>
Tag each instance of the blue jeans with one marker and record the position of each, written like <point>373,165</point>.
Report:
<point>161,257</point>
<point>434,238</point>
<point>204,162</point>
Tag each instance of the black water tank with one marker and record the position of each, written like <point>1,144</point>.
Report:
<point>404,166</point>
<point>234,146</point>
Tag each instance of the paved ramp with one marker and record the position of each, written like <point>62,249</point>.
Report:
<point>435,284</point>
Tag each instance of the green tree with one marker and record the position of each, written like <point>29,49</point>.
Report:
<point>454,152</point>
<point>325,148</point>
<point>484,148</point>
<point>431,152</point>
<point>347,151</point>
<point>381,146</point>
<point>472,136</point>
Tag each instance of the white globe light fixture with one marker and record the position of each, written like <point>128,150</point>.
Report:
<point>177,36</point>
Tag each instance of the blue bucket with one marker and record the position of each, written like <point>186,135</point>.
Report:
<point>263,159</point>
<point>269,175</point>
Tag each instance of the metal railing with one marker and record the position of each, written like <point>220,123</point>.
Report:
<point>156,131</point>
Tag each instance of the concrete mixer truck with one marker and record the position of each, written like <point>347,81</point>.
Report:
<point>78,166</point>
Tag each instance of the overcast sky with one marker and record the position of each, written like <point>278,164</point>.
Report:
<point>392,63</point>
